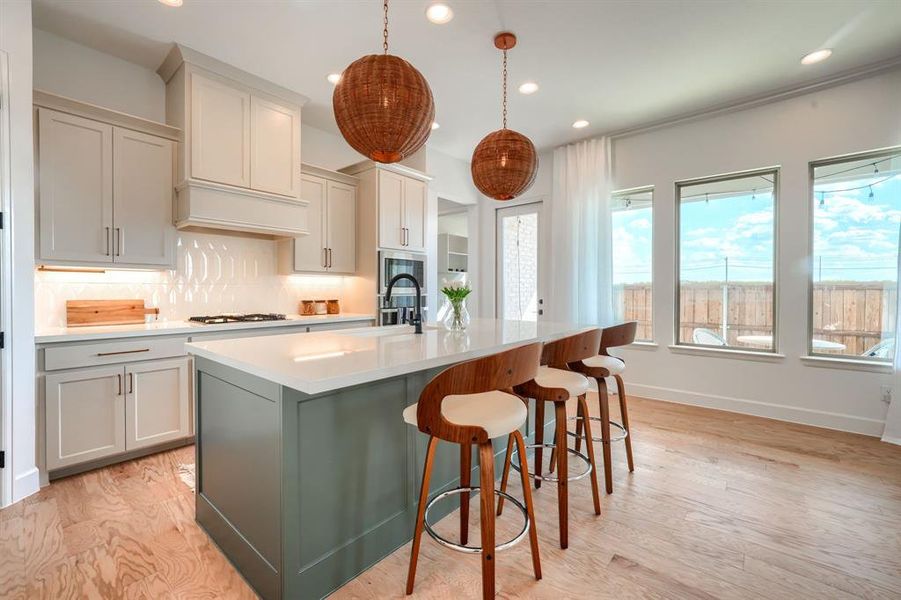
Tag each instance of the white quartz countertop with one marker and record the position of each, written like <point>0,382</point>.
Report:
<point>324,361</point>
<point>77,334</point>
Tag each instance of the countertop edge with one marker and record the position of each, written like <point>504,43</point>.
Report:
<point>74,335</point>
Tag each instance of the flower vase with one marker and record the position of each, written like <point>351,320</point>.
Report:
<point>457,317</point>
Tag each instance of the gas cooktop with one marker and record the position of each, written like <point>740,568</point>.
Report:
<point>248,318</point>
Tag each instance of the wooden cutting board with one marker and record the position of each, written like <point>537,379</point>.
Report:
<point>81,313</point>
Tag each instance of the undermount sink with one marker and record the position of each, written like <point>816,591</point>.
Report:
<point>389,330</point>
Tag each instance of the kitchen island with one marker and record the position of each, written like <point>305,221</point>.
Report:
<point>306,472</point>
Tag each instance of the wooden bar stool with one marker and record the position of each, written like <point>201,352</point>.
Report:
<point>556,383</point>
<point>599,368</point>
<point>470,404</point>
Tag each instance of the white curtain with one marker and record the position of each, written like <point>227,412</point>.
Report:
<point>580,237</point>
<point>892,431</point>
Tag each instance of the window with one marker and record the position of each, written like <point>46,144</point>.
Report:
<point>725,292</point>
<point>632,226</point>
<point>856,214</point>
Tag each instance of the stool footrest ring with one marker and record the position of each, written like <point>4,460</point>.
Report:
<point>552,478</point>
<point>475,549</point>
<point>616,438</point>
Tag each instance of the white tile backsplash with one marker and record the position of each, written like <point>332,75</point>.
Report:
<point>214,274</point>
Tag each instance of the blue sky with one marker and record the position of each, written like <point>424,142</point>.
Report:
<point>855,237</point>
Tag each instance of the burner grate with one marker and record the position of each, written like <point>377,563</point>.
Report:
<point>252,317</point>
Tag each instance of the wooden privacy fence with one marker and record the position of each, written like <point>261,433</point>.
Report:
<point>852,313</point>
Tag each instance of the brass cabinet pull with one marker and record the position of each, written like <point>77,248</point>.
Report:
<point>119,380</point>
<point>131,383</point>
<point>123,352</point>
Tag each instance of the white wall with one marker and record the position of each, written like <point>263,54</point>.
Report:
<point>858,116</point>
<point>454,224</point>
<point>70,69</point>
<point>21,474</point>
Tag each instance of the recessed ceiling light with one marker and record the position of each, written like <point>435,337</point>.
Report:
<point>334,78</point>
<point>529,87</point>
<point>439,13</point>
<point>816,56</point>
<point>435,125</point>
<point>580,124</point>
<point>172,2</point>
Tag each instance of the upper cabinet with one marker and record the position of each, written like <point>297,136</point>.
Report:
<point>105,186</point>
<point>220,132</point>
<point>402,201</point>
<point>274,147</point>
<point>239,165</point>
<point>330,246</point>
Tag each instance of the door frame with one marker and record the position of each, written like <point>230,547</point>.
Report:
<point>6,474</point>
<point>524,206</point>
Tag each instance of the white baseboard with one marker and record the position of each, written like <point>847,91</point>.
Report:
<point>26,484</point>
<point>792,414</point>
<point>892,440</point>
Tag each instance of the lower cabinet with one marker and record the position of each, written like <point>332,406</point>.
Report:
<point>157,402</point>
<point>97,412</point>
<point>85,415</point>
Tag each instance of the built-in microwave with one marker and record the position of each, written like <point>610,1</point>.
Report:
<point>393,263</point>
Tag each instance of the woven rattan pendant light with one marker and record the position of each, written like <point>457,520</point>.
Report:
<point>383,105</point>
<point>505,162</point>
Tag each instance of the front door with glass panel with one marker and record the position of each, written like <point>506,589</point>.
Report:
<point>519,291</point>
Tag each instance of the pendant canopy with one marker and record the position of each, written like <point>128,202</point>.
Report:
<point>505,162</point>
<point>383,105</point>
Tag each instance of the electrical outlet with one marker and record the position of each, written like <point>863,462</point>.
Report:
<point>887,394</point>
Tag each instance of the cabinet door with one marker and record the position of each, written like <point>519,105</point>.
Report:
<point>391,210</point>
<point>142,199</point>
<point>274,147</point>
<point>341,227</point>
<point>156,402</point>
<point>75,181</point>
<point>415,202</point>
<point>220,132</point>
<point>85,411</point>
<point>309,250</point>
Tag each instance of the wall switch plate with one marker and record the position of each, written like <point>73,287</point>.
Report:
<point>887,394</point>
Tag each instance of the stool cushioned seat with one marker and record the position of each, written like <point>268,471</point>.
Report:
<point>614,365</point>
<point>498,413</point>
<point>574,383</point>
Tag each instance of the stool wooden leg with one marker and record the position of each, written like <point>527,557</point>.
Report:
<point>539,439</point>
<point>530,508</point>
<point>486,503</point>
<point>605,433</point>
<point>507,458</point>
<point>465,476</point>
<point>420,513</point>
<point>589,446</point>
<point>583,416</point>
<point>553,462</point>
<point>562,474</point>
<point>621,390</point>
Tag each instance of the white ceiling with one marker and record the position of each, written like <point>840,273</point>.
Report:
<point>619,64</point>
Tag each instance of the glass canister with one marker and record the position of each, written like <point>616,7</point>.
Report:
<point>321,308</point>
<point>333,307</point>
<point>307,308</point>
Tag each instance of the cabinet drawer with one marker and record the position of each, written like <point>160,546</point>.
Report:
<point>71,356</point>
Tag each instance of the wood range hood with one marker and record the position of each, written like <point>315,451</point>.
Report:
<point>238,160</point>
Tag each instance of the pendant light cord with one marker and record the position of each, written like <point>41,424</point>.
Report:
<point>505,88</point>
<point>385,30</point>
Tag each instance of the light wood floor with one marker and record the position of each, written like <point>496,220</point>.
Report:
<point>720,506</point>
